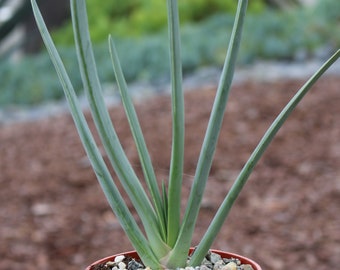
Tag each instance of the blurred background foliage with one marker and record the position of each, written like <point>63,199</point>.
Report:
<point>139,17</point>
<point>272,31</point>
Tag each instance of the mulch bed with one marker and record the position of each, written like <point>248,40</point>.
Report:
<point>54,216</point>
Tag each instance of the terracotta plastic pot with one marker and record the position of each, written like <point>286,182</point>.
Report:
<point>133,254</point>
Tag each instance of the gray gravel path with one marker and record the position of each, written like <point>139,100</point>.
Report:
<point>204,77</point>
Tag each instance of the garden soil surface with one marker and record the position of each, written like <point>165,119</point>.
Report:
<point>53,214</point>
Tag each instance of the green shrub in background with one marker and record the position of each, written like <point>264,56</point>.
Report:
<point>18,83</point>
<point>279,36</point>
<point>327,20</point>
<point>31,80</point>
<point>270,35</point>
<point>139,17</point>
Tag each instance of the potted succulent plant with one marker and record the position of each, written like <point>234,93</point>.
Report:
<point>165,240</point>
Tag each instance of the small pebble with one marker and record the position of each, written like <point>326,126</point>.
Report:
<point>230,266</point>
<point>246,267</point>
<point>134,265</point>
<point>119,258</point>
<point>214,258</point>
<point>207,262</point>
<point>110,263</point>
<point>121,265</point>
<point>219,264</point>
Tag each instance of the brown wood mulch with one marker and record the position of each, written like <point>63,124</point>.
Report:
<point>53,214</point>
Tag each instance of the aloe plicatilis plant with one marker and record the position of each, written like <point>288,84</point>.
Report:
<point>167,238</point>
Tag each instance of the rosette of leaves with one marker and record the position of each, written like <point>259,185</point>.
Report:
<point>165,239</point>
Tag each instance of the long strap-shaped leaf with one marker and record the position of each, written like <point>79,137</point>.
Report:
<point>210,140</point>
<point>110,189</point>
<point>106,131</point>
<point>225,207</point>
<point>177,154</point>
<point>136,130</point>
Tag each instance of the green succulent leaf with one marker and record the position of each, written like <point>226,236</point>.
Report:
<point>241,180</point>
<point>136,130</point>
<point>177,154</point>
<point>112,194</point>
<point>107,132</point>
<point>209,145</point>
